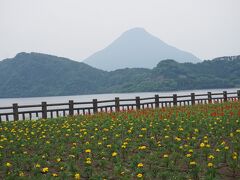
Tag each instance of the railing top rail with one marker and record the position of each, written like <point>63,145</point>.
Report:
<point>106,101</point>
<point>183,96</point>
<point>9,107</point>
<point>201,94</point>
<point>58,104</point>
<point>127,99</point>
<point>30,106</point>
<point>165,97</point>
<point>217,93</point>
<point>147,98</point>
<point>79,103</point>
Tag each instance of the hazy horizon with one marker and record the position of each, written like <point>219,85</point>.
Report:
<point>77,29</point>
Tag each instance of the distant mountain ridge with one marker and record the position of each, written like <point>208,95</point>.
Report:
<point>137,48</point>
<point>35,74</point>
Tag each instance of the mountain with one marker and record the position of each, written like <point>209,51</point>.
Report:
<point>35,74</point>
<point>137,48</point>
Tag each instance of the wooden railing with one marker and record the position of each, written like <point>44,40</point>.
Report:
<point>44,110</point>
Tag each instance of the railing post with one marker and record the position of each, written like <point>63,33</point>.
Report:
<point>117,104</point>
<point>138,103</point>
<point>156,101</point>
<point>95,106</point>
<point>44,110</point>
<point>193,98</point>
<point>71,109</point>
<point>15,112</point>
<point>174,99</point>
<point>238,94</point>
<point>225,96</point>
<point>209,97</point>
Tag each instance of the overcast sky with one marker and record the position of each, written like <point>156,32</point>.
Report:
<point>78,28</point>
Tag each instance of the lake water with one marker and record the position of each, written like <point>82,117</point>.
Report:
<point>83,98</point>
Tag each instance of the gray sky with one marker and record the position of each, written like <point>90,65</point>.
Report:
<point>78,28</point>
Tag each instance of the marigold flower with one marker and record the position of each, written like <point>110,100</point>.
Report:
<point>165,155</point>
<point>88,151</point>
<point>77,176</point>
<point>88,161</point>
<point>193,163</point>
<point>211,156</point>
<point>45,170</point>
<point>188,155</point>
<point>202,145</point>
<point>142,147</point>
<point>140,165</point>
<point>37,165</point>
<point>210,164</point>
<point>114,154</point>
<point>177,139</point>
<point>54,174</point>
<point>139,175</point>
<point>226,147</point>
<point>190,150</point>
<point>8,164</point>
<point>109,145</point>
<point>21,174</point>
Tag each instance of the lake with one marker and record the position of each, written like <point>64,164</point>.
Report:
<point>84,98</point>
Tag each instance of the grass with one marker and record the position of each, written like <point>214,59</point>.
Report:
<point>198,142</point>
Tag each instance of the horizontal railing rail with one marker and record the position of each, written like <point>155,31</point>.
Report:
<point>71,108</point>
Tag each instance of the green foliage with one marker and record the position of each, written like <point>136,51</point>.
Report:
<point>36,74</point>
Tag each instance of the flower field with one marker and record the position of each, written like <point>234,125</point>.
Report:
<point>198,142</point>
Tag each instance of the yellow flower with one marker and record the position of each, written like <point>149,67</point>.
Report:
<point>165,155</point>
<point>54,174</point>
<point>45,170</point>
<point>193,163</point>
<point>202,145</point>
<point>140,165</point>
<point>124,146</point>
<point>234,157</point>
<point>210,164</point>
<point>88,151</point>
<point>217,150</point>
<point>77,176</point>
<point>190,150</point>
<point>21,174</point>
<point>58,159</point>
<point>226,147</point>
<point>188,155</point>
<point>88,161</point>
<point>208,145</point>
<point>211,156</point>
<point>114,154</point>
<point>139,175</point>
<point>8,164</point>
<point>37,166</point>
<point>109,145</point>
<point>177,139</point>
<point>142,147</point>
